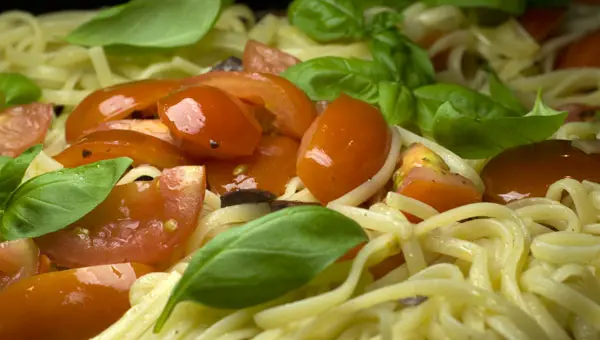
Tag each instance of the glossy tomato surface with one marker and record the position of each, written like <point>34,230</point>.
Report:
<point>114,103</point>
<point>67,305</point>
<point>582,53</point>
<point>259,57</point>
<point>528,171</point>
<point>293,110</point>
<point>142,148</point>
<point>23,126</point>
<point>542,22</point>
<point>151,127</point>
<point>210,123</point>
<point>19,259</point>
<point>270,168</point>
<point>141,222</point>
<point>344,147</point>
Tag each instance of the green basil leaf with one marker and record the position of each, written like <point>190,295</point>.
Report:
<point>383,21</point>
<point>510,6</point>
<point>265,258</point>
<point>405,61</point>
<point>328,20</point>
<point>398,5</point>
<point>16,89</point>
<point>12,172</point>
<point>327,77</point>
<point>4,160</point>
<point>54,200</point>
<point>464,100</point>
<point>503,95</point>
<point>397,103</point>
<point>149,23</point>
<point>475,138</point>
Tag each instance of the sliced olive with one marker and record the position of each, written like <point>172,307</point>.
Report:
<point>230,64</point>
<point>246,196</point>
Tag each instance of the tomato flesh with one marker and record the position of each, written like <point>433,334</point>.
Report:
<point>210,123</point>
<point>18,260</point>
<point>23,126</point>
<point>528,171</point>
<point>581,53</point>
<point>346,145</point>
<point>142,222</point>
<point>151,127</point>
<point>541,22</point>
<point>142,148</point>
<point>293,110</point>
<point>259,57</point>
<point>270,168</point>
<point>67,305</point>
<point>114,103</point>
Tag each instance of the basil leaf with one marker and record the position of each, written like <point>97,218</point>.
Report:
<point>405,61</point>
<point>397,103</point>
<point>327,77</point>
<point>11,174</point>
<point>149,23</point>
<point>510,6</point>
<point>16,89</point>
<point>264,259</point>
<point>383,21</point>
<point>4,160</point>
<point>328,20</point>
<point>398,5</point>
<point>474,137</point>
<point>54,200</point>
<point>470,102</point>
<point>503,95</point>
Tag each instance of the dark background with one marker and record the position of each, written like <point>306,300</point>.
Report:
<point>42,6</point>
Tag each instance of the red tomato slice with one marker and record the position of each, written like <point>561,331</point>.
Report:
<point>581,53</point>
<point>208,122</point>
<point>23,126</point>
<point>293,110</point>
<point>270,168</point>
<point>142,148</point>
<point>151,127</point>
<point>115,103</point>
<point>259,57</point>
<point>541,22</point>
<point>346,145</point>
<point>67,305</point>
<point>18,260</point>
<point>142,222</point>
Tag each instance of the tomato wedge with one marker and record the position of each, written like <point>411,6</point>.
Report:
<point>23,126</point>
<point>581,53</point>
<point>114,103</point>
<point>344,147</point>
<point>293,110</point>
<point>270,168</point>
<point>18,260</point>
<point>142,148</point>
<point>208,122</point>
<point>73,304</point>
<point>259,57</point>
<point>541,22</point>
<point>141,222</point>
<point>151,127</point>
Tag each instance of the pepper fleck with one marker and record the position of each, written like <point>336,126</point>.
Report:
<point>214,144</point>
<point>86,153</point>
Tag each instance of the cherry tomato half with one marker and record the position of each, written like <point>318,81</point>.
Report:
<point>270,168</point>
<point>293,110</point>
<point>73,304</point>
<point>581,53</point>
<point>18,260</point>
<point>259,57</point>
<point>541,22</point>
<point>142,148</point>
<point>141,221</point>
<point>23,126</point>
<point>151,127</point>
<point>208,122</point>
<point>346,145</point>
<point>528,171</point>
<point>114,103</point>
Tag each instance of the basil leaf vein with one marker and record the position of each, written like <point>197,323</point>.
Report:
<point>265,258</point>
<point>16,89</point>
<point>54,200</point>
<point>13,170</point>
<point>328,20</point>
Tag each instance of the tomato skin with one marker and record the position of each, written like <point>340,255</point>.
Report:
<point>528,171</point>
<point>142,148</point>
<point>23,126</point>
<point>541,22</point>
<point>19,259</point>
<point>346,145</point>
<point>72,304</point>
<point>210,123</point>
<point>579,112</point>
<point>151,127</point>
<point>581,53</point>
<point>259,57</point>
<point>293,110</point>
<point>142,222</point>
<point>270,168</point>
<point>115,103</point>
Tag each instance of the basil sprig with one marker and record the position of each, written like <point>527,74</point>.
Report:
<point>54,200</point>
<point>264,259</point>
<point>16,89</point>
<point>13,170</point>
